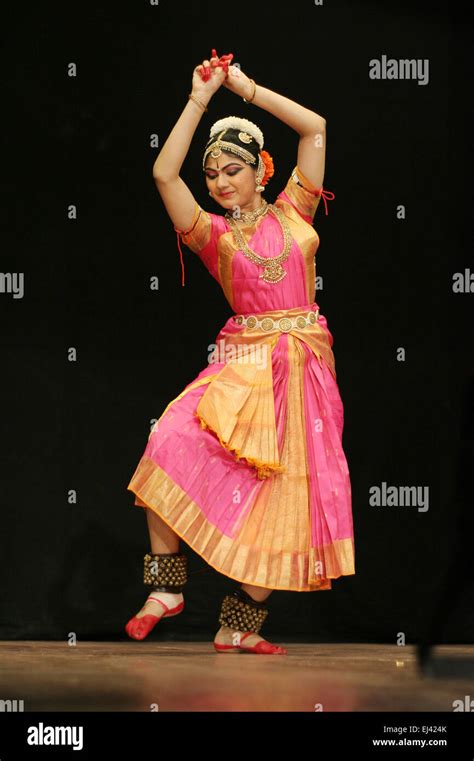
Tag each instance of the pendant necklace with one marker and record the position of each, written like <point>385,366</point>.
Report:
<point>273,271</point>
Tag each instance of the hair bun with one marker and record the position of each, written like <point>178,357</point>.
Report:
<point>238,123</point>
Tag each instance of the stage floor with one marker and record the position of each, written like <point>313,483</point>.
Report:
<point>185,676</point>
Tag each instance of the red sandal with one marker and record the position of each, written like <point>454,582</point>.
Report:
<point>240,612</point>
<point>165,572</point>
<point>139,628</point>
<point>263,647</point>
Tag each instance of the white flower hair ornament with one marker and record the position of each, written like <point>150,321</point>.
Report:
<point>237,122</point>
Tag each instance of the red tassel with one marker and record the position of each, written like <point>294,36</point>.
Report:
<point>180,256</point>
<point>327,195</point>
<point>184,232</point>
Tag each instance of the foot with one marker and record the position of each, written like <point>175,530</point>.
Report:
<point>226,636</point>
<point>157,606</point>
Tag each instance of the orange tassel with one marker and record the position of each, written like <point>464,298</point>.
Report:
<point>264,469</point>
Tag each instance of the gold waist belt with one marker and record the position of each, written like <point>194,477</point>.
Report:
<point>238,405</point>
<point>285,324</point>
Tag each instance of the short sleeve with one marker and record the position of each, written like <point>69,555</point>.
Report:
<point>301,194</point>
<point>198,235</point>
<point>202,238</point>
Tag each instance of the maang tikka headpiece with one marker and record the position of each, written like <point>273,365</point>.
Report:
<point>248,134</point>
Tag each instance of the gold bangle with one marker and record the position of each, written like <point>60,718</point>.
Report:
<point>196,100</point>
<point>249,100</point>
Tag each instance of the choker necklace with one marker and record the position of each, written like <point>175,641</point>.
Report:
<point>251,216</point>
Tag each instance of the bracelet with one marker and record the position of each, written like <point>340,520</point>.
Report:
<point>196,100</point>
<point>249,100</point>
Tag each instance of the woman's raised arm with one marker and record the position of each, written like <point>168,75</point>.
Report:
<point>309,125</point>
<point>177,197</point>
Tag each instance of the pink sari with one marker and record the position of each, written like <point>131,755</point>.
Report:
<point>246,464</point>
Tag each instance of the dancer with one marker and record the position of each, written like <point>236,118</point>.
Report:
<point>246,464</point>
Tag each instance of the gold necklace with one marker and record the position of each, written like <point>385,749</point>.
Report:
<point>251,216</point>
<point>273,271</point>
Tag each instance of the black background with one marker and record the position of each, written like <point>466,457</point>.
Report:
<point>386,284</point>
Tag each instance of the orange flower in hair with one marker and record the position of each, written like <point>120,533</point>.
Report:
<point>269,168</point>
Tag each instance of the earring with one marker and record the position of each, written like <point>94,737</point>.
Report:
<point>210,193</point>
<point>259,175</point>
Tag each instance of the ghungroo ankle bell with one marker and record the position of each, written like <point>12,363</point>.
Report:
<point>165,572</point>
<point>241,612</point>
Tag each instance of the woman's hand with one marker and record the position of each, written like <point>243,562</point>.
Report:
<point>238,82</point>
<point>210,75</point>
